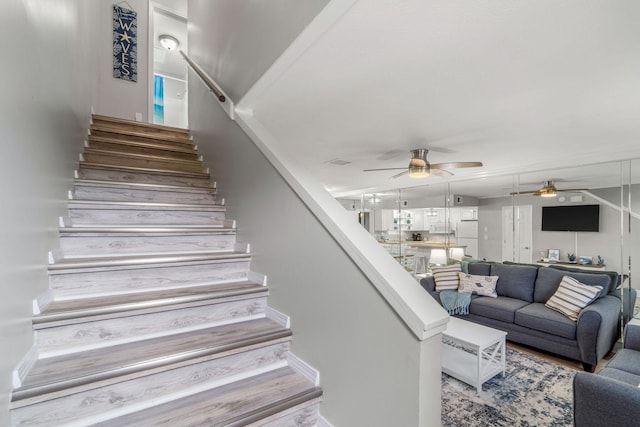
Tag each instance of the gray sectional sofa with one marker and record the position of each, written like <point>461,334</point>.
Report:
<point>519,310</point>
<point>612,397</point>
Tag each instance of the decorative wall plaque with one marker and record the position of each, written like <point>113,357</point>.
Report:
<point>125,44</point>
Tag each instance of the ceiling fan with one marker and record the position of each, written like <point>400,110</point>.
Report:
<point>547,190</point>
<point>419,166</point>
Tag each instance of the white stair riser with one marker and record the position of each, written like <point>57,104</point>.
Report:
<point>86,246</point>
<point>144,217</point>
<point>114,400</point>
<point>101,283</point>
<point>141,178</point>
<point>132,195</point>
<point>103,333</point>
<point>107,159</point>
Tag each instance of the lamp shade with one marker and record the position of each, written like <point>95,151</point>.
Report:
<point>438,257</point>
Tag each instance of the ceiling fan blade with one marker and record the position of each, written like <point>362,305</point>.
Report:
<point>534,192</point>
<point>442,172</point>
<point>456,165</point>
<point>382,169</point>
<point>400,174</point>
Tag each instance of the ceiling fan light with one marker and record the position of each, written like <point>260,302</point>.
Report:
<point>419,172</point>
<point>168,42</point>
<point>548,193</point>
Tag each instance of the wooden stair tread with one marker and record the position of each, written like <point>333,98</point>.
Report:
<point>126,175</point>
<point>109,204</point>
<point>137,260</point>
<point>142,186</point>
<point>158,136</point>
<point>87,307</point>
<point>233,405</point>
<point>155,171</point>
<point>55,374</point>
<point>147,145</point>
<point>117,120</point>
<point>149,157</point>
<point>143,231</point>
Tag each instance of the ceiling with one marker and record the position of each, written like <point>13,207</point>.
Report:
<point>522,86</point>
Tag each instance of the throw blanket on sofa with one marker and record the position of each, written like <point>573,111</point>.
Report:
<point>455,302</point>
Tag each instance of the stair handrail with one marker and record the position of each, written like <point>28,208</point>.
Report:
<point>213,87</point>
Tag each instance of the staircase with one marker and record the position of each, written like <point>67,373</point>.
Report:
<point>152,316</point>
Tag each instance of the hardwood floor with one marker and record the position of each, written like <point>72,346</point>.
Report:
<point>552,358</point>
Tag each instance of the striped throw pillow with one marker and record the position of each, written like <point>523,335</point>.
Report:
<point>572,296</point>
<point>446,277</point>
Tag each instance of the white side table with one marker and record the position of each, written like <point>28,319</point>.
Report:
<point>473,353</point>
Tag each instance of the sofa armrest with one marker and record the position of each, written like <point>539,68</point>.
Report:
<point>600,401</point>
<point>632,337</point>
<point>597,329</point>
<point>428,283</point>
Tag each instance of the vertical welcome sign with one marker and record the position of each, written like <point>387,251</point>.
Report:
<point>125,44</point>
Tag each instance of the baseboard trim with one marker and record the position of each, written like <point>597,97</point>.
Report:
<point>322,422</point>
<point>41,301</point>
<point>304,369</point>
<point>257,277</point>
<point>278,317</point>
<point>24,366</point>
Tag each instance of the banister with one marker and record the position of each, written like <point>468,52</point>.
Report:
<point>213,87</point>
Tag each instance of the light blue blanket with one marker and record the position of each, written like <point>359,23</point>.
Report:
<point>455,302</point>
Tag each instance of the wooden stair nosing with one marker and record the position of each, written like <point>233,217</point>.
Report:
<point>142,231</point>
<point>122,205</point>
<point>153,171</point>
<point>130,360</point>
<point>146,134</point>
<point>142,186</point>
<point>312,394</point>
<point>191,150</point>
<point>168,259</point>
<point>117,120</point>
<point>281,386</point>
<point>60,313</point>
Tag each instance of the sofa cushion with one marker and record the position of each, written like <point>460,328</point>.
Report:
<point>503,308</point>
<point>515,281</point>
<point>447,277</point>
<point>620,375</point>
<point>537,316</point>
<point>549,279</point>
<point>479,269</point>
<point>572,296</point>
<point>479,285</point>
<point>626,360</point>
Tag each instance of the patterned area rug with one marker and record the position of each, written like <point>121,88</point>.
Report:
<point>532,393</point>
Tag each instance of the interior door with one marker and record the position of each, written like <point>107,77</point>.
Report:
<point>517,233</point>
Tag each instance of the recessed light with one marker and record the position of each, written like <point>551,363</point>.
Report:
<point>168,42</point>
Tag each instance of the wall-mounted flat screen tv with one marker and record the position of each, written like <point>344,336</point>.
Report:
<point>571,218</point>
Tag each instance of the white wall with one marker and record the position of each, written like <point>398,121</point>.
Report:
<point>238,40</point>
<point>49,88</point>
<point>117,97</point>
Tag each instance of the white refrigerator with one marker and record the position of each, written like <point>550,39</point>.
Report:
<point>467,234</point>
